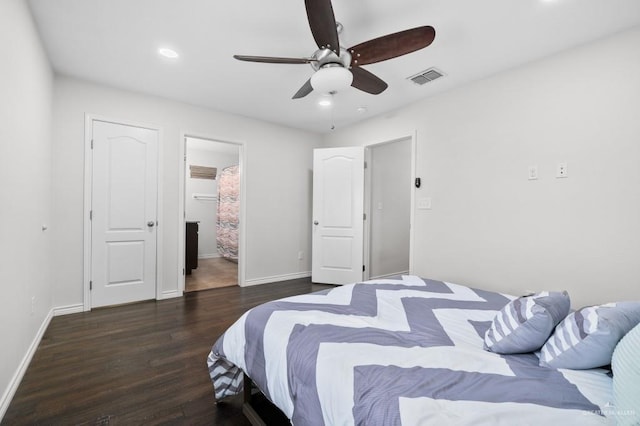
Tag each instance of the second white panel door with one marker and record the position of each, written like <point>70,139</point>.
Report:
<point>338,210</point>
<point>124,213</point>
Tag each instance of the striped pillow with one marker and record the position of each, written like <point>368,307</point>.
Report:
<point>626,379</point>
<point>525,323</point>
<point>587,338</point>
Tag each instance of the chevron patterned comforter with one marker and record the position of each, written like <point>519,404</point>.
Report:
<point>404,351</point>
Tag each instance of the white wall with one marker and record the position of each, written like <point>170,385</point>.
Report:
<point>492,228</point>
<point>25,170</point>
<point>205,211</point>
<point>390,207</point>
<point>279,162</point>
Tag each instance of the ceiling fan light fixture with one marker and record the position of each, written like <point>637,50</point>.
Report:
<point>326,100</point>
<point>331,79</point>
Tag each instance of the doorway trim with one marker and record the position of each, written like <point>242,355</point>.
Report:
<point>88,183</point>
<point>242,162</point>
<point>413,137</point>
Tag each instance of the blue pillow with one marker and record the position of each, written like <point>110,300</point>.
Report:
<point>587,338</point>
<point>525,323</point>
<point>626,379</point>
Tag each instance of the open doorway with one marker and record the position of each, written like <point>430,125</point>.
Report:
<point>212,213</point>
<point>363,200</point>
<point>388,188</point>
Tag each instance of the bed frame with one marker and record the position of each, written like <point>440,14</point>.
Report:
<point>247,409</point>
<point>258,409</point>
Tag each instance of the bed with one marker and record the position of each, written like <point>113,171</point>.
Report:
<point>401,351</point>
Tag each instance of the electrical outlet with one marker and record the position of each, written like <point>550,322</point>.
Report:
<point>562,171</point>
<point>300,255</point>
<point>533,172</point>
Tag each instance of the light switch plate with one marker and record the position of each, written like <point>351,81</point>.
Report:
<point>424,203</point>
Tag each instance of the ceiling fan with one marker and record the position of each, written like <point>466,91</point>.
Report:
<point>338,68</point>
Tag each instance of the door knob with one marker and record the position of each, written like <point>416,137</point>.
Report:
<point>315,222</point>
<point>151,223</point>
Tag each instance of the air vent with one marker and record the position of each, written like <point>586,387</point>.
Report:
<point>424,77</point>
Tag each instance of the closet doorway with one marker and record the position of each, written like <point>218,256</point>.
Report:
<point>212,190</point>
<point>387,199</point>
<point>382,242</point>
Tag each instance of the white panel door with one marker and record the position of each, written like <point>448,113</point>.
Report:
<point>124,212</point>
<point>338,209</point>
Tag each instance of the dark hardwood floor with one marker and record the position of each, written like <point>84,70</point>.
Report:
<point>143,363</point>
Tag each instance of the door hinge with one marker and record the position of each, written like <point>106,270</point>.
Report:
<point>365,164</point>
<point>362,268</point>
<point>91,143</point>
<point>90,214</point>
<point>182,271</point>
<point>90,285</point>
<point>364,216</point>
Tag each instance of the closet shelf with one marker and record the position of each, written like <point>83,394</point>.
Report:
<point>204,197</point>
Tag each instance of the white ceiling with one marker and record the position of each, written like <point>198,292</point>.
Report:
<point>115,43</point>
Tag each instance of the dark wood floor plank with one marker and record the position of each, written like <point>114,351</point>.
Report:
<point>142,363</point>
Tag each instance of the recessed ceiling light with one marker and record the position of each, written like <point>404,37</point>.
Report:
<point>168,53</point>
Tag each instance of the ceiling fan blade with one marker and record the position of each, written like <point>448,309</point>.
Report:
<point>367,82</point>
<point>323,24</point>
<point>392,45</point>
<point>304,90</point>
<point>273,60</point>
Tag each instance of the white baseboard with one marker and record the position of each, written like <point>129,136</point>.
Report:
<point>170,294</point>
<point>22,368</point>
<point>276,278</point>
<point>66,310</point>
<point>395,274</point>
<point>208,256</point>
